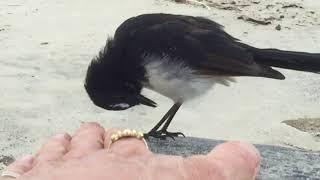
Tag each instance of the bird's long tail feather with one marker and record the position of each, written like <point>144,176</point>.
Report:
<point>301,61</point>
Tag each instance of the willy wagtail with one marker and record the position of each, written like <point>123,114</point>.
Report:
<point>180,57</point>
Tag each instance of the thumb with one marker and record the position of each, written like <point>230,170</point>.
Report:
<point>239,160</point>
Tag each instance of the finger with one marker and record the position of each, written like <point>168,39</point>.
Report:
<point>236,160</point>
<point>88,139</point>
<point>20,166</point>
<point>55,148</point>
<point>127,146</point>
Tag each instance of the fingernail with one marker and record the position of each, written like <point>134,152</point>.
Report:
<point>251,149</point>
<point>27,159</point>
<point>60,136</point>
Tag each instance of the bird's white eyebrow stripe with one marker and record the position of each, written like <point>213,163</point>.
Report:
<point>122,105</point>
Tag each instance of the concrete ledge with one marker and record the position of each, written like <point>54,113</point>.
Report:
<point>277,163</point>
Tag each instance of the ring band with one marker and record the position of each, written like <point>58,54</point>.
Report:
<point>10,174</point>
<point>126,134</point>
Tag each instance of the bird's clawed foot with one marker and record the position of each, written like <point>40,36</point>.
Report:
<point>163,134</point>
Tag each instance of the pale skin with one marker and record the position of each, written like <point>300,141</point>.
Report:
<point>85,155</point>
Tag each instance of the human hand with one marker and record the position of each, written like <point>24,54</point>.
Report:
<point>86,156</point>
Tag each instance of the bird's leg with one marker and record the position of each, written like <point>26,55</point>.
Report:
<point>163,119</point>
<point>167,118</point>
<point>167,123</point>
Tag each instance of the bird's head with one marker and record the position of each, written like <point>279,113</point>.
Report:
<point>113,85</point>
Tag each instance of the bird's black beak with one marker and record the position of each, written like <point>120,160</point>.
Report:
<point>145,101</point>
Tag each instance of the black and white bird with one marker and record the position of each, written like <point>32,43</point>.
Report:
<point>180,57</point>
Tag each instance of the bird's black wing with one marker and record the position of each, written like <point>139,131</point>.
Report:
<point>202,43</point>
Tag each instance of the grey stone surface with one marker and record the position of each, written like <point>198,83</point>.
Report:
<point>277,162</point>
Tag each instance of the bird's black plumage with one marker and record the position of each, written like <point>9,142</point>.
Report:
<point>117,75</point>
<point>201,43</point>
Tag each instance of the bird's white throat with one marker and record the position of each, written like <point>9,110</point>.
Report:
<point>176,80</point>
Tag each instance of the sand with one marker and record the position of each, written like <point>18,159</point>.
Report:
<point>46,47</point>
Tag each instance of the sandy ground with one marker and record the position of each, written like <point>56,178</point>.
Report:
<point>47,45</point>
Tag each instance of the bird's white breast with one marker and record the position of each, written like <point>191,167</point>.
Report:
<point>176,80</point>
